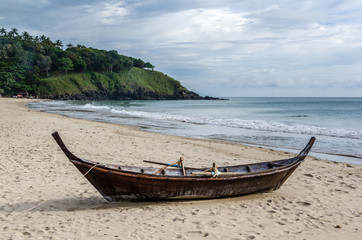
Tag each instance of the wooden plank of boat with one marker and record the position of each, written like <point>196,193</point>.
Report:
<point>116,182</point>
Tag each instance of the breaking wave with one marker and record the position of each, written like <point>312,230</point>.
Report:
<point>261,125</point>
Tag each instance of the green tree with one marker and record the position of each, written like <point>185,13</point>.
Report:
<point>149,65</point>
<point>26,36</point>
<point>11,74</point>
<point>112,59</point>
<point>43,38</point>
<point>79,64</point>
<point>139,63</point>
<point>59,43</point>
<point>65,64</point>
<point>45,63</point>
<point>32,80</point>
<point>3,32</point>
<point>23,57</point>
<point>4,51</point>
<point>125,63</point>
<point>13,33</point>
<point>98,59</point>
<point>36,39</point>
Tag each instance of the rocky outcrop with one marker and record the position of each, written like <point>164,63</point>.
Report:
<point>137,95</point>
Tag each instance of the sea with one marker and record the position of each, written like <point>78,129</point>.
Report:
<point>277,123</point>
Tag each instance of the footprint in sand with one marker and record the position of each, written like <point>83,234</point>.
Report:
<point>302,203</point>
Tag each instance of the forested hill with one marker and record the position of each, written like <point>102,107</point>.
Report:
<point>41,67</point>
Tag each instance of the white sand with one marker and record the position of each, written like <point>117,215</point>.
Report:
<point>321,199</point>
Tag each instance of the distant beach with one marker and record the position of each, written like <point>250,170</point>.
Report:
<point>321,200</point>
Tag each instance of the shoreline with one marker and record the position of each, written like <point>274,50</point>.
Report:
<point>312,203</point>
<point>343,158</point>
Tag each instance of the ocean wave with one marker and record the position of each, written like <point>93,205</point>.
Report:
<point>225,123</point>
<point>260,125</point>
<point>95,107</point>
<point>300,116</point>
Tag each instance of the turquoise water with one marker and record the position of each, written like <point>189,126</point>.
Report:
<point>281,123</point>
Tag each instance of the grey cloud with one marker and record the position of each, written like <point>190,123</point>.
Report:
<point>208,45</point>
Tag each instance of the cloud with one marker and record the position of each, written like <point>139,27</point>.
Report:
<point>210,45</point>
<point>110,12</point>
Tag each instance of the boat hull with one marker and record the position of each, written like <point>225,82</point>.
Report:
<point>115,185</point>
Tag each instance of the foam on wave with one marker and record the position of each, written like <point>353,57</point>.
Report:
<point>236,123</point>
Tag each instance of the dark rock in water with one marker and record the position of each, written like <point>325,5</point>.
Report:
<point>188,95</point>
<point>214,98</point>
<point>139,94</point>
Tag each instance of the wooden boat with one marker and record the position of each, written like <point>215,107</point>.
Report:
<point>127,182</point>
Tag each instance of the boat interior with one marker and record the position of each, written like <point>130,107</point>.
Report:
<point>224,171</point>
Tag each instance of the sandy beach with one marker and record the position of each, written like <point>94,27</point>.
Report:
<point>321,199</point>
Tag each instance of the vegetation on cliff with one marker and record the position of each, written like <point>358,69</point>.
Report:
<point>131,84</point>
<point>41,67</point>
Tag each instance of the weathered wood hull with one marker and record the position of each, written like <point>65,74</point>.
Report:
<point>116,184</point>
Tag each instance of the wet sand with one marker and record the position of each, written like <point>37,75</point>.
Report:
<point>321,199</point>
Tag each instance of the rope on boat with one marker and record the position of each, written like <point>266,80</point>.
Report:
<point>214,171</point>
<point>180,164</point>
<point>90,169</point>
<point>41,203</point>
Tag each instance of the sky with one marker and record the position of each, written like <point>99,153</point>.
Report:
<point>230,48</point>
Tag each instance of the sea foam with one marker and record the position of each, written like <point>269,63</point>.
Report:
<point>261,125</point>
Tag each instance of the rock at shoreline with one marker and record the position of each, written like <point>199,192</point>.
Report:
<point>137,95</point>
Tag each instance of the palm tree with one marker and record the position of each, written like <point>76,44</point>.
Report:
<point>3,31</point>
<point>26,36</point>
<point>43,38</point>
<point>59,43</point>
<point>13,32</point>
